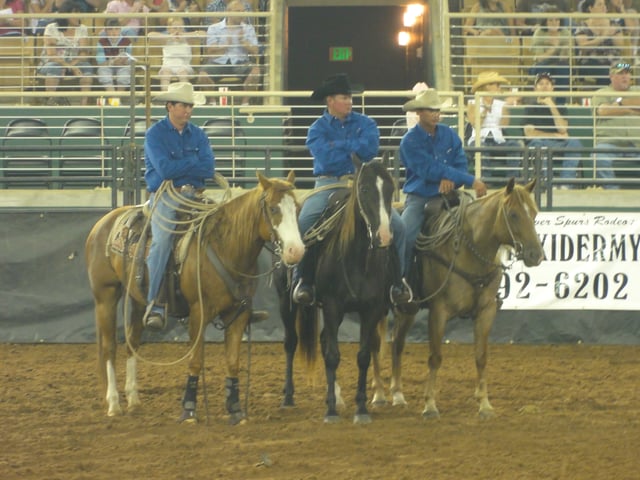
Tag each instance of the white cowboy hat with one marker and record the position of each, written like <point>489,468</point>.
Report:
<point>486,78</point>
<point>426,99</point>
<point>181,92</point>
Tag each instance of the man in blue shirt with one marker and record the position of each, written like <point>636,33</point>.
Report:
<point>435,164</point>
<point>332,139</point>
<point>178,151</point>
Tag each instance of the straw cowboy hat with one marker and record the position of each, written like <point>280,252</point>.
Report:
<point>335,85</point>
<point>426,99</point>
<point>486,78</point>
<point>180,92</point>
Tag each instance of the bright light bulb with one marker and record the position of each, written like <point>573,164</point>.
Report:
<point>408,20</point>
<point>403,38</point>
<point>415,9</point>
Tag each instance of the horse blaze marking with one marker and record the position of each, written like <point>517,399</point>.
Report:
<point>384,216</point>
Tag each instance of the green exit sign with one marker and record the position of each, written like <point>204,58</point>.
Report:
<point>340,54</point>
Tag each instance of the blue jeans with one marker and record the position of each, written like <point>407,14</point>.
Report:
<point>412,216</point>
<point>570,160</point>
<point>315,204</point>
<point>604,162</point>
<point>509,163</point>
<point>163,216</point>
<point>55,69</point>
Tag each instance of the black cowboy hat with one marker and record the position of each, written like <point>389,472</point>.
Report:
<point>335,85</point>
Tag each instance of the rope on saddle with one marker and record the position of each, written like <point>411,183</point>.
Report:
<point>319,231</point>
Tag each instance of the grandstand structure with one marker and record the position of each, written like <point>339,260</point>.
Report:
<point>103,156</point>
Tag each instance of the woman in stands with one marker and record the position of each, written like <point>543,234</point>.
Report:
<point>66,49</point>
<point>493,26</point>
<point>599,41</point>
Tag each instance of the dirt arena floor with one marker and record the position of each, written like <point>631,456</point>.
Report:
<point>562,412</point>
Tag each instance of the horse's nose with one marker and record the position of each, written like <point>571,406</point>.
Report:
<point>533,258</point>
<point>384,236</point>
<point>292,254</point>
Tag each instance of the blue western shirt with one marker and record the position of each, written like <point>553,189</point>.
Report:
<point>185,158</point>
<point>430,158</point>
<point>331,142</point>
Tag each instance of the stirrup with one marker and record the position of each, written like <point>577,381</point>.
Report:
<point>403,290</point>
<point>154,320</point>
<point>302,293</point>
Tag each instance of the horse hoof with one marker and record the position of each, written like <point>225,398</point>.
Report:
<point>288,403</point>
<point>362,419</point>
<point>236,418</point>
<point>430,414</point>
<point>486,414</point>
<point>188,417</point>
<point>398,400</point>
<point>379,402</point>
<point>331,419</point>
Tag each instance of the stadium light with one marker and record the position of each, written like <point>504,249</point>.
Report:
<point>404,38</point>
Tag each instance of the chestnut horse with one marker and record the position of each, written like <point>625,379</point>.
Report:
<point>216,280</point>
<point>460,276</point>
<point>353,273</point>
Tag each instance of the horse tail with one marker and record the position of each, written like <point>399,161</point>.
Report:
<point>307,327</point>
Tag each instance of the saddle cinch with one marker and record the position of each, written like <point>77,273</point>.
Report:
<point>128,232</point>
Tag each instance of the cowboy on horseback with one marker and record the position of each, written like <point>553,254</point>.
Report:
<point>332,140</point>
<point>435,163</point>
<point>175,150</point>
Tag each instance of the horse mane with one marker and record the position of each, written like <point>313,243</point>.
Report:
<point>345,229</point>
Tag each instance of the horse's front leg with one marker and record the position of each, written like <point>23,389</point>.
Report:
<point>331,356</point>
<point>483,323</point>
<point>232,343</point>
<point>437,321</point>
<point>402,324</point>
<point>369,319</point>
<point>197,327</point>
<point>133,333</point>
<point>288,315</point>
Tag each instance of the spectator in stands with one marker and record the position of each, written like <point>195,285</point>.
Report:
<point>42,7</point>
<point>186,6</point>
<point>550,48</point>
<point>176,53</point>
<point>527,26</point>
<point>494,116</point>
<point>546,126</point>
<point>10,25</point>
<point>492,26</point>
<point>65,53</point>
<point>617,124</point>
<point>599,43</point>
<point>223,6</point>
<point>232,49</point>
<point>132,26</point>
<point>629,25</point>
<point>114,68</point>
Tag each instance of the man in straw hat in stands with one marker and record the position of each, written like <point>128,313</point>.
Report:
<point>175,150</point>
<point>332,139</point>
<point>494,116</point>
<point>435,163</point>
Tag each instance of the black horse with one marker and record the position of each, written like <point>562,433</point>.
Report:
<point>355,262</point>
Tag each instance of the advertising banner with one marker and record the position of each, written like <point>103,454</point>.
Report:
<point>592,263</point>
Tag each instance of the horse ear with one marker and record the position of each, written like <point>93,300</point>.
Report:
<point>355,159</point>
<point>264,181</point>
<point>291,178</point>
<point>531,185</point>
<point>510,184</point>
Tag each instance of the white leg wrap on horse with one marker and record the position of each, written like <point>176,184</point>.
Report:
<point>131,383</point>
<point>113,400</point>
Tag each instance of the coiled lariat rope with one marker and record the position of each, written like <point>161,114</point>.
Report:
<point>199,212</point>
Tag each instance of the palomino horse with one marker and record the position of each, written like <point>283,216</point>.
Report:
<point>216,279</point>
<point>460,276</point>
<point>353,274</point>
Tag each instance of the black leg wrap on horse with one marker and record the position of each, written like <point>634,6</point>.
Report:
<point>190,393</point>
<point>232,394</point>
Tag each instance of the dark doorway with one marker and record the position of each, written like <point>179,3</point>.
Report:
<point>378,62</point>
